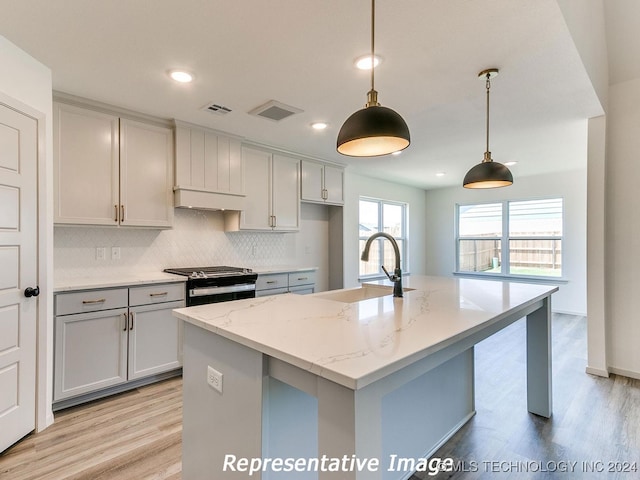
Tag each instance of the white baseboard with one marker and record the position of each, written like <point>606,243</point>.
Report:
<point>625,373</point>
<point>597,371</point>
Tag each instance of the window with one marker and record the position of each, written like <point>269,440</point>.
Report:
<point>382,216</point>
<point>519,238</point>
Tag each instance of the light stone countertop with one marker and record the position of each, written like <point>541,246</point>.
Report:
<point>109,280</point>
<point>355,344</point>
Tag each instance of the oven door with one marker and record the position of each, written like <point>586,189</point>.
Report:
<point>212,294</point>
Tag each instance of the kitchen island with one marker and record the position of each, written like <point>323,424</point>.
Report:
<point>349,384</point>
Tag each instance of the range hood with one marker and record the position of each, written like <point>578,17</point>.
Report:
<point>201,199</point>
<point>209,173</point>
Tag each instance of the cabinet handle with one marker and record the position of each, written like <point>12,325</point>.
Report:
<point>115,219</point>
<point>274,221</point>
<point>271,281</point>
<point>130,320</point>
<point>303,278</point>
<point>125,322</point>
<point>121,213</point>
<point>159,294</point>
<point>89,302</point>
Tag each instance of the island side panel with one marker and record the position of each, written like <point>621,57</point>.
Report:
<point>216,424</point>
<point>397,420</point>
<point>539,391</point>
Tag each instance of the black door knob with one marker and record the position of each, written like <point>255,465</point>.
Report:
<point>31,292</point>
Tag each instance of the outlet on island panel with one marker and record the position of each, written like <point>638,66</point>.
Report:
<point>214,378</point>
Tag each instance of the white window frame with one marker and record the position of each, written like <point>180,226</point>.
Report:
<point>404,262</point>
<point>504,239</point>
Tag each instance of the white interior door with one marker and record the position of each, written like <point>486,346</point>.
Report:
<point>18,270</point>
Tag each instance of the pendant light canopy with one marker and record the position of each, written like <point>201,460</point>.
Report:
<point>488,174</point>
<point>375,130</point>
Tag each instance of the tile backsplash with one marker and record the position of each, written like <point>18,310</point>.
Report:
<point>197,239</point>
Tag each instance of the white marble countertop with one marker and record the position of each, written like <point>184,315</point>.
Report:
<point>354,344</point>
<point>102,280</point>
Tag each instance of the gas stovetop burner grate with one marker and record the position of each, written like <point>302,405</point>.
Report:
<point>209,272</point>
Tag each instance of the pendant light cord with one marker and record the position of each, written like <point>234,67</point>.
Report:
<point>373,28</point>
<point>488,85</point>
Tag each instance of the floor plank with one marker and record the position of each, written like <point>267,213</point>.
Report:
<point>137,434</point>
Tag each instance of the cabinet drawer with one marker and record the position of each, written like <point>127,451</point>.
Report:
<point>91,301</point>
<point>165,292</point>
<point>271,291</point>
<point>276,280</point>
<point>302,278</point>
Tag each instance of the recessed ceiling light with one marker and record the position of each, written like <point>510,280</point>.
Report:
<point>364,62</point>
<point>441,174</point>
<point>181,76</point>
<point>319,125</point>
<point>509,164</point>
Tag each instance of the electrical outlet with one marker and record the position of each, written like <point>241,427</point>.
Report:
<point>115,253</point>
<point>101,253</point>
<point>214,378</point>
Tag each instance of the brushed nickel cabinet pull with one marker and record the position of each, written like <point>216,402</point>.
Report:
<point>303,278</point>
<point>121,213</point>
<point>89,302</point>
<point>271,281</point>
<point>159,294</point>
<point>115,219</point>
<point>125,322</point>
<point>130,320</point>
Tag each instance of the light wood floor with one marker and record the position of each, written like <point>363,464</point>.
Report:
<point>137,435</point>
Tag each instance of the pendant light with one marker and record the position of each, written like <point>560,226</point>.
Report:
<point>488,174</point>
<point>375,130</point>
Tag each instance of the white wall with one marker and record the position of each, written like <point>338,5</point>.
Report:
<point>29,82</point>
<point>623,228</point>
<point>570,185</point>
<point>357,186</point>
<point>197,239</point>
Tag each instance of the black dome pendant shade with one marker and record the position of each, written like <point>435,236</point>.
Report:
<point>488,174</point>
<point>375,130</point>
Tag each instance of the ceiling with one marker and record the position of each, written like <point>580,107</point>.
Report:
<point>300,52</point>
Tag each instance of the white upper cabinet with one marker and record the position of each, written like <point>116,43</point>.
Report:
<point>86,166</point>
<point>285,202</point>
<point>272,186</point>
<point>209,171</point>
<point>110,170</point>
<point>322,183</point>
<point>146,180</point>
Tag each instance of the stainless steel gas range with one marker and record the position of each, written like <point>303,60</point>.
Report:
<point>217,284</point>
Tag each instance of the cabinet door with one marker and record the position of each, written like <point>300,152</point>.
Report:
<point>257,172</point>
<point>334,185</point>
<point>146,174</point>
<point>90,352</point>
<point>86,153</point>
<point>311,181</point>
<point>155,339</point>
<point>286,193</point>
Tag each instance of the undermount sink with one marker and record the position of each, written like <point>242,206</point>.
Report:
<point>352,295</point>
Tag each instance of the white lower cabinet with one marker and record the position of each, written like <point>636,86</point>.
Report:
<point>90,352</point>
<point>135,336</point>
<point>155,340</point>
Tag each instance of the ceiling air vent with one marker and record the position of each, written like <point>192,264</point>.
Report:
<point>275,111</point>
<point>216,108</point>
